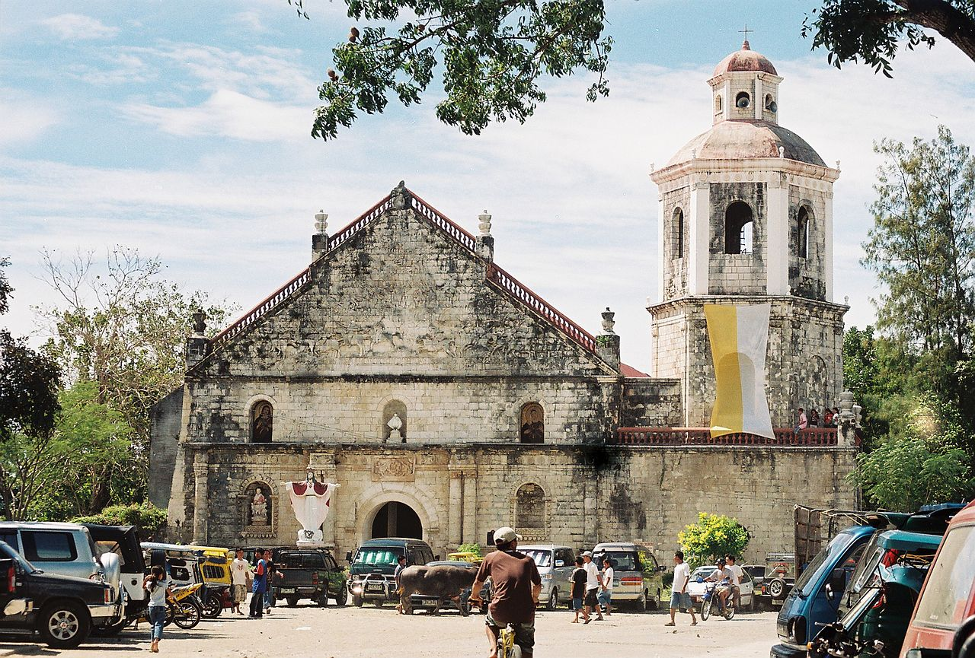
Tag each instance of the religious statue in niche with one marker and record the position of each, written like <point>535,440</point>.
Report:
<point>531,425</point>
<point>259,506</point>
<point>261,423</point>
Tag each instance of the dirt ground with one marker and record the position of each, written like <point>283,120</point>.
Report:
<point>369,632</point>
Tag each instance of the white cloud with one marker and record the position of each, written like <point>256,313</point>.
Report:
<point>23,118</point>
<point>74,27</point>
<point>121,68</point>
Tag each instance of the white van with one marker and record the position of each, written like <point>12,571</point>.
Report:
<point>555,564</point>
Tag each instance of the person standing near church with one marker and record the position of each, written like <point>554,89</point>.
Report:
<point>240,579</point>
<point>259,583</point>
<point>593,585</point>
<point>680,591</point>
<point>801,421</point>
<point>606,586</point>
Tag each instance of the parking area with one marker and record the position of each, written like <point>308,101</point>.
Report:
<point>369,632</point>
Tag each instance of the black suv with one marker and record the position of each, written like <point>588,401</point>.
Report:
<point>54,606</point>
<point>372,567</point>
<point>310,573</point>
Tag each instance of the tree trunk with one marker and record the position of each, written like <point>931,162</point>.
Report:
<point>939,15</point>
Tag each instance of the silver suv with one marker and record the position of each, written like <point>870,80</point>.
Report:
<point>68,549</point>
<point>555,564</point>
<point>638,583</point>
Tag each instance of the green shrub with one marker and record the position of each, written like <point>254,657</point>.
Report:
<point>147,518</point>
<point>713,537</point>
<point>470,548</point>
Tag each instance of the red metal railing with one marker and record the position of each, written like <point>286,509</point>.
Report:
<point>357,224</point>
<point>684,436</point>
<point>428,212</point>
<point>269,303</point>
<point>534,302</point>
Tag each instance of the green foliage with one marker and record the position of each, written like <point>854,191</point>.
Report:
<point>147,518</point>
<point>712,537</point>
<point>490,54</point>
<point>919,463</point>
<point>121,328</point>
<point>870,31</point>
<point>470,548</point>
<point>647,566</point>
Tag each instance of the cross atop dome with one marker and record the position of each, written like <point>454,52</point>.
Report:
<point>746,34</point>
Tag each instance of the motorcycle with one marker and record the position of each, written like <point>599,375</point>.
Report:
<point>837,642</point>
<point>712,603</point>
<point>183,608</point>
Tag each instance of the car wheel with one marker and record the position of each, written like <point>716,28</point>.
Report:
<point>64,625</point>
<point>776,588</point>
<point>292,601</point>
<point>342,596</point>
<point>358,601</point>
<point>378,603</point>
<point>554,600</point>
<point>641,603</point>
<point>214,606</point>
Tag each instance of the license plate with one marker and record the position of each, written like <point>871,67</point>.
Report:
<point>374,587</point>
<point>287,590</point>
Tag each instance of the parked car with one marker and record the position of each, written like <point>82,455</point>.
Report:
<point>371,567</point>
<point>778,578</point>
<point>429,603</point>
<point>555,564</point>
<point>876,606</point>
<point>637,576</point>
<point>943,619</point>
<point>309,573</point>
<point>697,586</point>
<point>54,606</point>
<point>813,601</point>
<point>123,541</point>
<point>67,549</point>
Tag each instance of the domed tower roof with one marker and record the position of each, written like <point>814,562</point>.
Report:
<point>740,140</point>
<point>745,59</point>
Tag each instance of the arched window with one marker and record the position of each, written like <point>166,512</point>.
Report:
<point>678,221</point>
<point>803,232</point>
<point>531,423</point>
<point>262,421</point>
<point>742,100</point>
<point>739,229</point>
<point>257,504</point>
<point>394,422</point>
<point>530,507</point>
<point>719,103</point>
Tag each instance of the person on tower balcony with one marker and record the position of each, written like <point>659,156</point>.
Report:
<point>814,418</point>
<point>801,421</point>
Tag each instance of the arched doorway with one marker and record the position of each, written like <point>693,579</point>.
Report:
<point>395,519</point>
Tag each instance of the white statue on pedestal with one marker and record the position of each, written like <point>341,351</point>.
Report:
<point>310,502</point>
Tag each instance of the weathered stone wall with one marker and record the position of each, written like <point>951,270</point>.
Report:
<point>589,494</point>
<point>737,273</point>
<point>165,422</point>
<point>651,402</point>
<point>803,354</point>
<point>675,264</point>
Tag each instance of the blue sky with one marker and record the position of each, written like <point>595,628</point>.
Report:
<point>182,129</point>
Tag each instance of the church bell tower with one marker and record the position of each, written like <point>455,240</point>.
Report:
<point>745,217</point>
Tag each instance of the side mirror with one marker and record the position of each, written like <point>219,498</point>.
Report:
<point>662,569</point>
<point>349,556</point>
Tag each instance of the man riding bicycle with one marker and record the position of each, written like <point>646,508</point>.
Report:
<point>515,592</point>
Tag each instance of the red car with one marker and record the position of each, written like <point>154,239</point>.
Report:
<point>944,616</point>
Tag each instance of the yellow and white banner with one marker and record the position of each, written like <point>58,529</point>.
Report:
<point>738,336</point>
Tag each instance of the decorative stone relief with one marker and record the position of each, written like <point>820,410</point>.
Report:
<point>393,469</point>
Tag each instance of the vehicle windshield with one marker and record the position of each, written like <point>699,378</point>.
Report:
<point>6,551</point>
<point>804,584</point>
<point>386,556</point>
<point>944,600</point>
<point>541,556</point>
<point>702,572</point>
<point>620,560</point>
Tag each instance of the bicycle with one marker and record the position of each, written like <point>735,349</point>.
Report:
<point>507,643</point>
<point>711,601</point>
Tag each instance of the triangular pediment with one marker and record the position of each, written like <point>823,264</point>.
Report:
<point>403,290</point>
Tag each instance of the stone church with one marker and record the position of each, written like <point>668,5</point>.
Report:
<point>446,398</point>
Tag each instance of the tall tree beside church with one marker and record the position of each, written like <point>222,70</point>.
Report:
<point>29,383</point>
<point>871,31</point>
<point>122,327</point>
<point>922,249</point>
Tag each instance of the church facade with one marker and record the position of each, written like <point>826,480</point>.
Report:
<point>447,399</point>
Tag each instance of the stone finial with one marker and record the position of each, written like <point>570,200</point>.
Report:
<point>395,423</point>
<point>607,321</point>
<point>780,150</point>
<point>320,223</point>
<point>485,223</point>
<point>400,197</point>
<point>199,322</point>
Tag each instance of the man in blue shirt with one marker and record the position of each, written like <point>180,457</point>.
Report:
<point>259,583</point>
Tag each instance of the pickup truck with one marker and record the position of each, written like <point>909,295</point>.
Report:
<point>56,607</point>
<point>309,574</point>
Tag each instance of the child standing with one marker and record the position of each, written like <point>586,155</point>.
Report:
<point>158,587</point>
